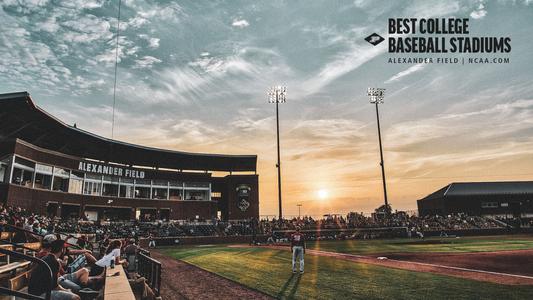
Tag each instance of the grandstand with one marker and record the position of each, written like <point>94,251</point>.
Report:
<point>55,169</point>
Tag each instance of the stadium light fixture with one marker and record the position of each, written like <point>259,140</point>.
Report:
<point>377,96</point>
<point>278,94</point>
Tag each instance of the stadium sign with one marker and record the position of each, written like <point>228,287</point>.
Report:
<point>243,192</point>
<point>243,204</point>
<point>110,170</point>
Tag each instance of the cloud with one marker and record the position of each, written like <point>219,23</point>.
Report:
<point>463,128</point>
<point>432,8</point>
<point>153,43</point>
<point>241,23</point>
<point>480,12</point>
<point>169,12</point>
<point>252,120</point>
<point>408,71</point>
<point>82,4</point>
<point>342,64</point>
<point>146,62</point>
<point>87,29</point>
<point>49,25</point>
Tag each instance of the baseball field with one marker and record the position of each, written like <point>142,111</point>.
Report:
<point>493,267</point>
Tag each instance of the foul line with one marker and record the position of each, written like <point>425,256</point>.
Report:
<point>420,263</point>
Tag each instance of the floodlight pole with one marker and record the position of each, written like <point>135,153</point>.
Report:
<point>277,95</point>
<point>299,206</point>
<point>376,97</point>
<point>279,161</point>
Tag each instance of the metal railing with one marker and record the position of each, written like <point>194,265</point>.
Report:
<point>150,269</point>
<point>47,295</point>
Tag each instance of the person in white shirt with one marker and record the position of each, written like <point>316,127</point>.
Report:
<point>112,254</point>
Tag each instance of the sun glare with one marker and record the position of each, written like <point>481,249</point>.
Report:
<point>323,194</point>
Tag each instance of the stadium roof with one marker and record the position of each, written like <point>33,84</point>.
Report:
<point>21,118</point>
<point>483,189</point>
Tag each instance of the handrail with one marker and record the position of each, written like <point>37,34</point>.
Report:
<point>35,260</point>
<point>17,245</point>
<point>22,229</point>
<point>150,269</point>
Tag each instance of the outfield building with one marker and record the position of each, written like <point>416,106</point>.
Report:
<point>503,199</point>
<point>49,167</point>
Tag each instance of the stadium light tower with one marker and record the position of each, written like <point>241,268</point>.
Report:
<point>277,95</point>
<point>377,95</point>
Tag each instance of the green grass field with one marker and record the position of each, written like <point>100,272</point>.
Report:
<point>463,244</point>
<point>269,271</point>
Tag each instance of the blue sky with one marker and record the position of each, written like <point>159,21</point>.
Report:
<point>193,76</point>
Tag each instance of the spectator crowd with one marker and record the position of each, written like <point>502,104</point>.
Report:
<point>101,230</point>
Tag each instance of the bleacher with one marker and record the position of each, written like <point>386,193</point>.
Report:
<point>15,264</point>
<point>17,261</point>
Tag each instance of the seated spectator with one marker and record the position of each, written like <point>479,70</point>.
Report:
<point>131,254</point>
<point>40,277</point>
<point>74,280</point>
<point>112,253</point>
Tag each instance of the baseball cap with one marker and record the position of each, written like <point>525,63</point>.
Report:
<point>48,240</point>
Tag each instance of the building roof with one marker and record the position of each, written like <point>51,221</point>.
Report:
<point>483,189</point>
<point>21,118</point>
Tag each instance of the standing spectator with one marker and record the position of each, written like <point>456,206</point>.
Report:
<point>151,241</point>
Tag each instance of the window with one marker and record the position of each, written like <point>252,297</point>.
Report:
<point>216,195</point>
<point>160,193</point>
<point>61,179</point>
<point>92,185</point>
<point>92,188</point>
<point>175,194</point>
<point>76,182</point>
<point>110,187</point>
<point>3,172</point>
<point>176,184</point>
<point>160,189</point>
<point>60,184</point>
<point>197,184</point>
<point>142,192</point>
<point>126,188</point>
<point>197,195</point>
<point>43,177</point>
<point>489,204</point>
<point>4,169</point>
<point>43,181</point>
<point>142,188</point>
<point>22,177</point>
<point>23,172</point>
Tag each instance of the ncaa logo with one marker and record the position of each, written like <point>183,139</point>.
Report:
<point>374,39</point>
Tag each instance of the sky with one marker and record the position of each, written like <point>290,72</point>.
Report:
<point>194,76</point>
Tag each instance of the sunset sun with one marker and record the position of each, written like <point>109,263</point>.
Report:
<point>323,194</point>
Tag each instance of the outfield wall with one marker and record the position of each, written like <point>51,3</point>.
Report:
<point>202,240</point>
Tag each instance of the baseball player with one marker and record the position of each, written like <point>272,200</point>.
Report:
<point>297,249</point>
